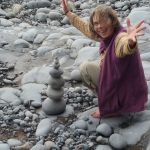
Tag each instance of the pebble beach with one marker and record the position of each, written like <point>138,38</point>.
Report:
<point>43,103</point>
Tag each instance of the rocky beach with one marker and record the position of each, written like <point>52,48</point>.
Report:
<point>43,103</point>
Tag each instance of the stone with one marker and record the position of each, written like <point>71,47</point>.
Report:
<point>101,140</point>
<point>104,129</point>
<point>56,83</point>
<point>51,145</point>
<point>117,141</point>
<point>5,22</point>
<point>4,146</point>
<point>103,147</point>
<point>81,124</point>
<point>55,15</point>
<point>20,43</point>
<point>55,94</point>
<point>25,146</point>
<point>30,35</point>
<point>75,75</point>
<point>42,17</point>
<point>55,104</point>
<point>43,127</point>
<point>51,107</point>
<point>14,142</point>
<point>56,73</point>
<point>39,147</point>
<point>39,39</point>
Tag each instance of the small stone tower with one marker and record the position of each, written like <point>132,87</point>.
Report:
<point>55,103</point>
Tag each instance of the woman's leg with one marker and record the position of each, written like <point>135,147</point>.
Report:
<point>89,74</point>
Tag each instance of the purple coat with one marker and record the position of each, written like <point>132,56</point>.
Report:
<point>122,84</point>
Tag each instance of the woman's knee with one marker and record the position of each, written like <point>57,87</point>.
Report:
<point>84,67</point>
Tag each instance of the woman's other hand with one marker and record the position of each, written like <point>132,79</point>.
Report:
<point>134,32</point>
<point>64,4</point>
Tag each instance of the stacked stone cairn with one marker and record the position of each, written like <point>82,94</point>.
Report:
<point>55,103</point>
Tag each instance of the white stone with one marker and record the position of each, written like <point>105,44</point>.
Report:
<point>103,147</point>
<point>37,75</point>
<point>51,107</point>
<point>39,147</point>
<point>39,38</point>
<point>31,92</point>
<point>53,15</point>
<point>71,31</point>
<point>139,14</point>
<point>4,146</point>
<point>81,124</point>
<point>30,35</point>
<point>145,56</point>
<point>5,22</point>
<point>20,43</point>
<point>87,54</point>
<point>50,145</point>
<point>14,142</point>
<point>104,129</point>
<point>117,141</point>
<point>43,50</point>
<point>43,127</point>
<point>10,95</point>
<point>75,75</point>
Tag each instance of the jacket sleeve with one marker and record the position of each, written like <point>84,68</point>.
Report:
<point>122,48</point>
<point>81,25</point>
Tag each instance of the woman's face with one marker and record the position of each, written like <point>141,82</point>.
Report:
<point>103,27</point>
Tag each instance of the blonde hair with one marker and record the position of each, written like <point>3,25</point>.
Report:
<point>104,11</point>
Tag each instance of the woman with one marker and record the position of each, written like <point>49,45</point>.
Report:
<point>119,77</point>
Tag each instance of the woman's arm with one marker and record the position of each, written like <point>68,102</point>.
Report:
<point>81,25</point>
<point>78,22</point>
<point>122,47</point>
<point>126,43</point>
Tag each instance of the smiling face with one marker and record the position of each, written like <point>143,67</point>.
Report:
<point>103,21</point>
<point>103,26</point>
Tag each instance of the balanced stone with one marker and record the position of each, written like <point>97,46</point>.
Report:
<point>56,73</point>
<point>55,103</point>
<point>51,107</point>
<point>55,94</point>
<point>56,83</point>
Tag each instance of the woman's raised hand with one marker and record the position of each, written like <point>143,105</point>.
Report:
<point>64,4</point>
<point>134,31</point>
